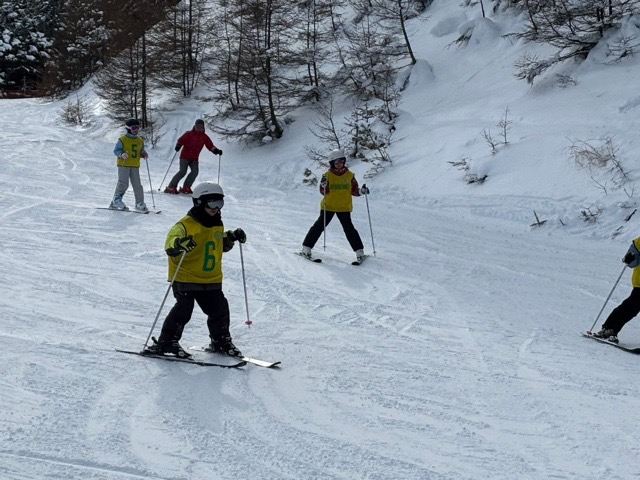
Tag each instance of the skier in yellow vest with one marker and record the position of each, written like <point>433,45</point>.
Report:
<point>201,237</point>
<point>630,307</point>
<point>337,187</point>
<point>128,150</point>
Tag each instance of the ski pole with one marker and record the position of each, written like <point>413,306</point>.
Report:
<point>366,197</point>
<point>244,284</point>
<point>164,300</point>
<point>324,230</point>
<point>607,300</point>
<point>153,200</point>
<point>167,172</point>
<point>324,221</point>
<point>219,162</point>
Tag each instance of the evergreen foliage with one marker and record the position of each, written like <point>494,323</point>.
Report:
<point>26,42</point>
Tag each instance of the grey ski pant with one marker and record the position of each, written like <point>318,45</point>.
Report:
<point>124,175</point>
<point>184,164</point>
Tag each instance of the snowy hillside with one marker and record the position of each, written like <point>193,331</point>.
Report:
<point>454,353</point>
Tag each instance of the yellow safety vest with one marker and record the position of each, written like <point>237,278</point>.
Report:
<point>203,264</point>
<point>134,148</point>
<point>339,197</point>
<point>635,276</point>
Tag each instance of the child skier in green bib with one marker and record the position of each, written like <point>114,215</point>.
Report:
<point>128,150</point>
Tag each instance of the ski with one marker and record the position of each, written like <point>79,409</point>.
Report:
<point>179,194</point>
<point>254,361</point>
<point>617,345</point>
<point>170,358</point>
<point>314,260</point>
<point>130,211</point>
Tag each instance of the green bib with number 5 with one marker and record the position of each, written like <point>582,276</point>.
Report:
<point>134,148</point>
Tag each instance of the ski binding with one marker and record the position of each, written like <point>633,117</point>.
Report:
<point>314,260</point>
<point>254,361</point>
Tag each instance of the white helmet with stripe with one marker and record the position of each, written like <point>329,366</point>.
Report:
<point>336,155</point>
<point>207,191</point>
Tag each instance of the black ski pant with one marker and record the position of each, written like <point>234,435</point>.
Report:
<point>184,164</point>
<point>212,302</point>
<point>347,225</point>
<point>629,308</point>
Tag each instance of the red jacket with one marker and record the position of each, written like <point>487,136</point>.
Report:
<point>192,143</point>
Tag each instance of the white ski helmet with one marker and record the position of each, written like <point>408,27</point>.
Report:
<point>207,191</point>
<point>336,155</point>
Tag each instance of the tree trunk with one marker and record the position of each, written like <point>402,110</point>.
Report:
<point>143,83</point>
<point>405,34</point>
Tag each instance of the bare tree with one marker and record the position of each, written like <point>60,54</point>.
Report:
<point>395,14</point>
<point>504,124</point>
<point>123,84</point>
<point>177,46</point>
<point>600,159</point>
<point>574,27</point>
<point>260,79</point>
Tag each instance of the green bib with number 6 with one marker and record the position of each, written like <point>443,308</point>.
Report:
<point>203,264</point>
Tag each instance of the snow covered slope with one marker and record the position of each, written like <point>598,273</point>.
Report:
<point>454,353</point>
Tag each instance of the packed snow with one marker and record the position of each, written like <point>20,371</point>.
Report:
<point>452,353</point>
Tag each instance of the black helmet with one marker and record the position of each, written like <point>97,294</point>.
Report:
<point>132,122</point>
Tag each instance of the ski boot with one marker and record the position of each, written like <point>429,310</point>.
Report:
<point>171,347</point>
<point>607,334</point>
<point>186,190</point>
<point>141,207</point>
<point>118,204</point>
<point>224,345</point>
<point>173,190</point>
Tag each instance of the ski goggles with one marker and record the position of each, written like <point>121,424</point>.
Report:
<point>215,204</point>
<point>134,128</point>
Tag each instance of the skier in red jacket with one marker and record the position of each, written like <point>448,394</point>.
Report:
<point>191,143</point>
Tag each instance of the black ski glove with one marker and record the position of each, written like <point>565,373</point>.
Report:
<point>629,258</point>
<point>239,235</point>
<point>364,190</point>
<point>185,244</point>
<point>178,148</point>
<point>216,151</point>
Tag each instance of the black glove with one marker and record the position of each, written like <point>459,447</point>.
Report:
<point>629,258</point>
<point>178,148</point>
<point>239,235</point>
<point>216,151</point>
<point>364,190</point>
<point>185,244</point>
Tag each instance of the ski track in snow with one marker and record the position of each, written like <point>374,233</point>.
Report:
<point>454,353</point>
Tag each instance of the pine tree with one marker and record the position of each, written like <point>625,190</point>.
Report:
<point>80,46</point>
<point>26,35</point>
